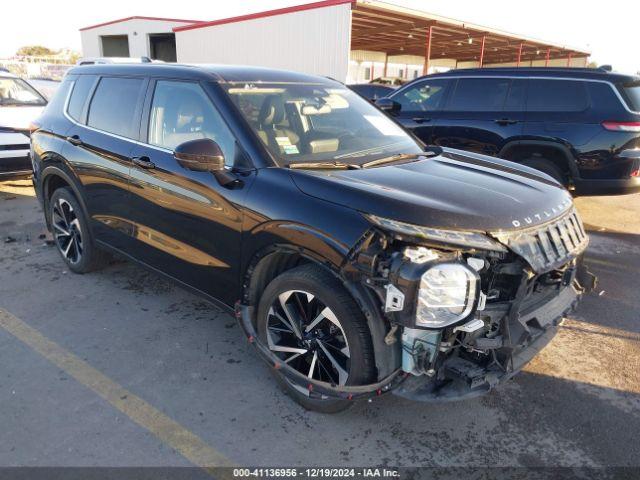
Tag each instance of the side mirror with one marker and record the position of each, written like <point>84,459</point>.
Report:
<point>388,105</point>
<point>200,155</point>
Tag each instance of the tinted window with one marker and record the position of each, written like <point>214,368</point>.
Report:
<point>556,96</point>
<point>479,94</point>
<point>517,96</point>
<point>181,111</point>
<point>81,89</point>
<point>380,91</point>
<point>364,90</point>
<point>632,93</point>
<point>113,105</point>
<point>425,96</point>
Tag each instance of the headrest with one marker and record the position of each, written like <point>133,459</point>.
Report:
<point>272,111</point>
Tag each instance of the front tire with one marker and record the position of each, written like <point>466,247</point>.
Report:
<point>308,319</point>
<point>71,233</point>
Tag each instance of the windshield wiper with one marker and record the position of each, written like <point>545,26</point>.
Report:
<point>391,159</point>
<point>324,165</point>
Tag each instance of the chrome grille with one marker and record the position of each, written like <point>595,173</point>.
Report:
<point>548,246</point>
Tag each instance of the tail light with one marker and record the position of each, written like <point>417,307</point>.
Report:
<point>622,126</point>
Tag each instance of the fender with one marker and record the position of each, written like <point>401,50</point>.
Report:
<point>297,237</point>
<point>331,254</point>
<point>560,147</point>
<point>64,172</point>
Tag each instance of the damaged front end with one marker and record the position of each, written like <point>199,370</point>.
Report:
<point>473,309</point>
<point>462,311</point>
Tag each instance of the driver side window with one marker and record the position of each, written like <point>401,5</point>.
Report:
<point>425,96</point>
<point>181,111</point>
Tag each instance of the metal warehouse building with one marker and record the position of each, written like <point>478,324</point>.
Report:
<point>350,40</point>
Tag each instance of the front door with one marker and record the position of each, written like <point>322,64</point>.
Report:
<point>186,223</point>
<point>482,115</point>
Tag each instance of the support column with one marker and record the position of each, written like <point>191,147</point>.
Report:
<point>519,55</point>
<point>386,64</point>
<point>427,54</point>
<point>569,59</point>
<point>482,50</point>
<point>546,60</point>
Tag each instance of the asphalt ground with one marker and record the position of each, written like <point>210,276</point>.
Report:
<point>120,368</point>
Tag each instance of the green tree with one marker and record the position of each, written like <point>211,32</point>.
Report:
<point>35,50</point>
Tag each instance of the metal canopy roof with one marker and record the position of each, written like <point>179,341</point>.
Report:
<point>395,30</point>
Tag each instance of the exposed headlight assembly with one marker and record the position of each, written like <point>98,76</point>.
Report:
<point>447,294</point>
<point>449,237</point>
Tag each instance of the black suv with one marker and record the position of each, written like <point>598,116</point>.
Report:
<point>357,261</point>
<point>580,126</point>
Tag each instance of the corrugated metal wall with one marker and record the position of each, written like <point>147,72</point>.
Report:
<point>313,41</point>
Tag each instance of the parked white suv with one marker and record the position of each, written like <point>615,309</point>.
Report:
<point>20,104</point>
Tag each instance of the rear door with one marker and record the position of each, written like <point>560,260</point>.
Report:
<point>187,223</point>
<point>420,103</point>
<point>99,146</point>
<point>482,114</point>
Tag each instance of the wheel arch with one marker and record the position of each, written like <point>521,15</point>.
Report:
<point>56,176</point>
<point>521,150</point>
<point>274,260</point>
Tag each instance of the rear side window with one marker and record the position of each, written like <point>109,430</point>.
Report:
<point>113,105</point>
<point>516,98</point>
<point>556,96</point>
<point>631,92</point>
<point>425,96</point>
<point>81,88</point>
<point>479,94</point>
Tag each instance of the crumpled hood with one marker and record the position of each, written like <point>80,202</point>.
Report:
<point>18,117</point>
<point>455,190</point>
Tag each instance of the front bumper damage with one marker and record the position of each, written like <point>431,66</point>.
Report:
<point>462,378</point>
<point>525,290</point>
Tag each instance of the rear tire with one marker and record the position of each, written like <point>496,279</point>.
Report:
<point>338,346</point>
<point>71,233</point>
<point>547,167</point>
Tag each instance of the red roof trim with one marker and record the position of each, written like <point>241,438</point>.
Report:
<point>138,18</point>
<point>268,13</point>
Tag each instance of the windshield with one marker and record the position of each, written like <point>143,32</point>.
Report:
<point>632,93</point>
<point>14,91</point>
<point>312,123</point>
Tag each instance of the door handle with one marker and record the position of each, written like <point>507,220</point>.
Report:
<point>505,121</point>
<point>74,140</point>
<point>143,162</point>
<point>421,119</point>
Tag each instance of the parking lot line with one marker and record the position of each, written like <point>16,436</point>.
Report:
<point>166,429</point>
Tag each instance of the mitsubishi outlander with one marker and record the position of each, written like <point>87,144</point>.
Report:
<point>358,261</point>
